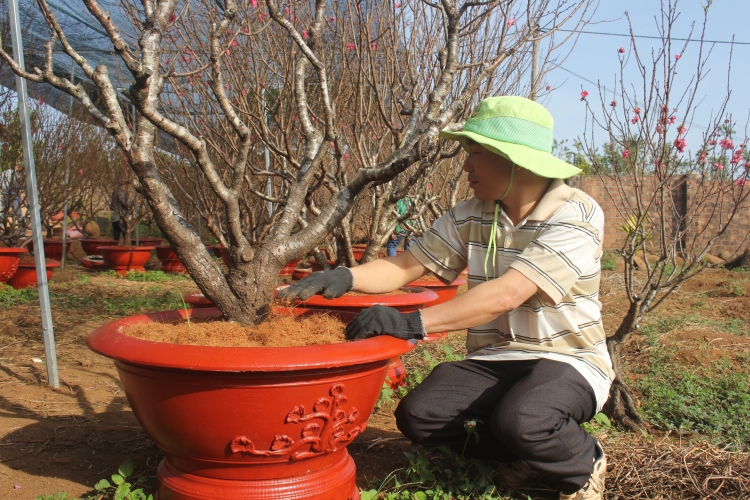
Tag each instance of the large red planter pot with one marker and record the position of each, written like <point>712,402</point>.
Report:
<point>223,253</point>
<point>126,258</point>
<point>53,248</point>
<point>91,245</point>
<point>25,276</point>
<point>9,259</point>
<point>409,302</point>
<point>250,423</point>
<point>444,293</point>
<point>170,262</point>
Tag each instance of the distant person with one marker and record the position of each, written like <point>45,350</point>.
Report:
<point>10,191</point>
<point>118,204</point>
<point>402,233</point>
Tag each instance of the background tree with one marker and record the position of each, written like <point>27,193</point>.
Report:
<point>674,205</point>
<point>343,96</point>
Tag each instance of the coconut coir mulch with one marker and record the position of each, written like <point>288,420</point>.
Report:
<point>276,331</point>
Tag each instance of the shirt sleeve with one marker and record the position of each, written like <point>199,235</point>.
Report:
<point>564,251</point>
<point>441,249</point>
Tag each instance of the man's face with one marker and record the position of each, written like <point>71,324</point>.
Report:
<point>488,173</point>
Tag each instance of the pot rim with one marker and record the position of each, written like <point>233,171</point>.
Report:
<point>32,265</point>
<point>108,341</point>
<point>128,248</point>
<point>423,296</point>
<point>11,251</point>
<point>436,284</point>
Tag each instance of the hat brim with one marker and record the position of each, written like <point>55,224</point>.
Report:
<point>541,163</point>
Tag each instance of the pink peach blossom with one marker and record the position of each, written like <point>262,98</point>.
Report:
<point>511,21</point>
<point>626,153</point>
<point>719,166</point>
<point>677,56</point>
<point>584,95</point>
<point>681,129</point>
<point>549,87</point>
<point>397,5</point>
<point>680,144</point>
<point>350,46</point>
<point>621,50</point>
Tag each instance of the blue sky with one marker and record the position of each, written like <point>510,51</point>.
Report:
<point>595,57</point>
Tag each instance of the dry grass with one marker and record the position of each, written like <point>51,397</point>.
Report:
<point>661,469</point>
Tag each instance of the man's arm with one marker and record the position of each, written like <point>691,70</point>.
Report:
<point>386,275</point>
<point>481,304</point>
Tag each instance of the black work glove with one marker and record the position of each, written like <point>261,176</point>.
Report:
<point>329,284</point>
<point>379,320</point>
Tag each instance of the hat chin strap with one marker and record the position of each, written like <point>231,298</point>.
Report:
<point>492,245</point>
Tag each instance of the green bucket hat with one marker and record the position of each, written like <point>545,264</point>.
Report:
<point>518,129</point>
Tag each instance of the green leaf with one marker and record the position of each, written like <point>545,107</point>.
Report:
<point>117,479</point>
<point>102,485</point>
<point>603,420</point>
<point>368,495</point>
<point>126,468</point>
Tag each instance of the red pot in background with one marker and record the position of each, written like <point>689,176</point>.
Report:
<point>444,293</point>
<point>405,303</point>
<point>170,263</point>
<point>298,273</point>
<point>223,253</point>
<point>358,249</point>
<point>9,259</point>
<point>197,300</point>
<point>25,276</point>
<point>289,268</point>
<point>126,258</point>
<point>91,245</point>
<point>465,272</point>
<point>147,241</point>
<point>95,262</point>
<point>53,248</point>
<point>59,215</point>
<point>8,267</point>
<point>246,422</point>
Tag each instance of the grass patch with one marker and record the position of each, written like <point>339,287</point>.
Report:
<point>712,401</point>
<point>155,276</point>
<point>437,474</point>
<point>9,296</point>
<point>608,263</point>
<point>138,303</point>
<point>659,325</point>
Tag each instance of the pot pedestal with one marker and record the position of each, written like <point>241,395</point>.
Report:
<point>175,484</point>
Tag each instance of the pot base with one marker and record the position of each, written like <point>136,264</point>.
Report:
<point>336,482</point>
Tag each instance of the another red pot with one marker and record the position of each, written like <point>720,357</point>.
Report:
<point>91,245</point>
<point>250,423</point>
<point>53,248</point>
<point>126,258</point>
<point>25,276</point>
<point>223,253</point>
<point>408,302</point>
<point>95,262</point>
<point>289,268</point>
<point>9,259</point>
<point>197,300</point>
<point>444,292</point>
<point>170,262</point>
<point>298,274</point>
<point>358,249</point>
<point>147,241</point>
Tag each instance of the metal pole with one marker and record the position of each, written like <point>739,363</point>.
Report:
<point>67,177</point>
<point>534,65</point>
<point>33,197</point>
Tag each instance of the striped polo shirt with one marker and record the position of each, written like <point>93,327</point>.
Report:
<point>558,247</point>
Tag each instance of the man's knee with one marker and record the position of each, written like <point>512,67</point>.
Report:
<point>410,417</point>
<point>519,426</point>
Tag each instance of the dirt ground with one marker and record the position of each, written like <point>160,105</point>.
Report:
<point>67,439</point>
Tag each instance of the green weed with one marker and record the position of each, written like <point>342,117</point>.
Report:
<point>415,375</point>
<point>608,263</point>
<point>437,474</point>
<point>9,296</point>
<point>138,303</point>
<point>122,489</point>
<point>110,273</point>
<point>155,276</point>
<point>658,325</point>
<point>713,401</point>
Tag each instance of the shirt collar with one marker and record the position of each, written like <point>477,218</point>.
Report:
<point>557,194</point>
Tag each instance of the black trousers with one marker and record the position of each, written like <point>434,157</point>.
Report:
<point>116,230</point>
<point>531,410</point>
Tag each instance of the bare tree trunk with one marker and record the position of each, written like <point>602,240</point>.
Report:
<point>621,406</point>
